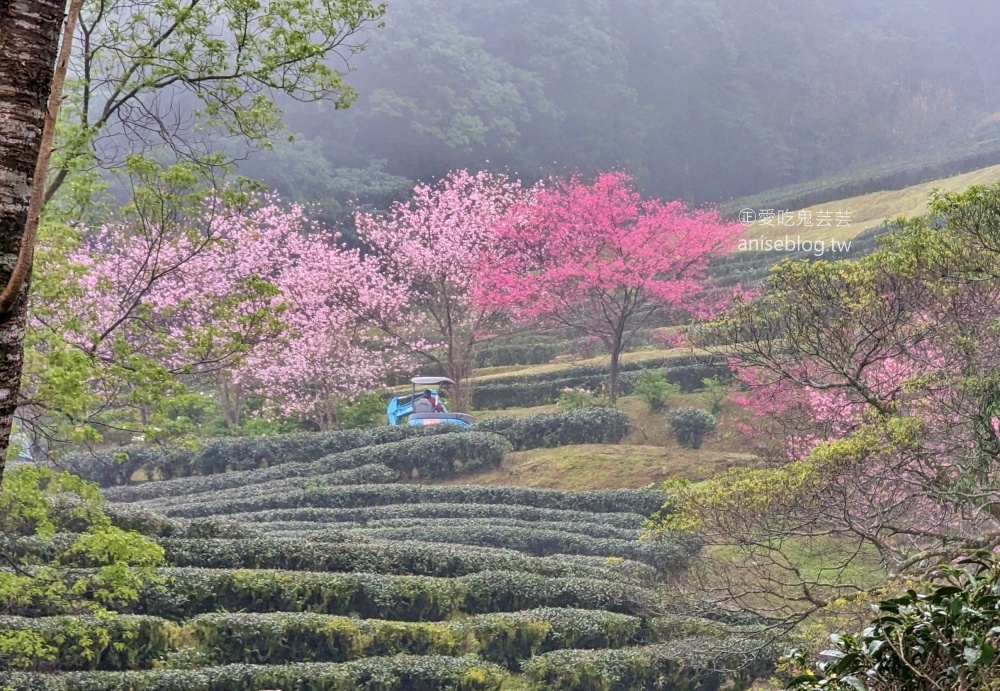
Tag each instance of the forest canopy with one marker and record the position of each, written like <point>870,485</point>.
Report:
<point>701,100</point>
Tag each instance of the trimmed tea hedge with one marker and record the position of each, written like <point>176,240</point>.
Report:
<point>405,598</point>
<point>413,673</point>
<point>643,502</point>
<point>366,515</point>
<point>592,526</point>
<point>439,456</point>
<point>677,666</point>
<point>116,467</point>
<point>278,638</point>
<point>520,354</point>
<point>377,557</point>
<point>87,643</point>
<point>532,540</point>
<point>587,426</point>
<point>535,389</point>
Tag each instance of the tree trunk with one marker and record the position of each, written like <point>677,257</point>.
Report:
<point>230,399</point>
<point>460,370</point>
<point>616,352</point>
<point>29,41</point>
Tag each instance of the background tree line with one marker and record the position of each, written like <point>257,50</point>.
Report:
<point>700,100</point>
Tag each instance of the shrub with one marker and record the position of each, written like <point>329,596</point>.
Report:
<point>529,390</point>
<point>685,665</point>
<point>505,639</point>
<point>690,425</point>
<point>213,456</point>
<point>716,390</point>
<point>624,500</point>
<point>579,398</point>
<point>367,595</point>
<point>946,638</point>
<point>545,430</point>
<point>378,557</point>
<point>525,354</point>
<point>652,386</point>
<point>413,673</point>
<point>591,525</point>
<point>437,456</point>
<point>365,515</point>
<point>532,540</point>
<point>108,642</point>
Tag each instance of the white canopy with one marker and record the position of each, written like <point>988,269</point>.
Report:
<point>431,380</point>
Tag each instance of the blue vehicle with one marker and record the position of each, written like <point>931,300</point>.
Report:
<point>424,407</point>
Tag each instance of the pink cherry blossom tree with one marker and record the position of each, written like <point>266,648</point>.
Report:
<point>424,263</point>
<point>879,380</point>
<point>598,258</point>
<point>156,307</point>
<point>327,355</point>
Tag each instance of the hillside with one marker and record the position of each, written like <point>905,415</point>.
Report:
<point>871,210</point>
<point>503,558</point>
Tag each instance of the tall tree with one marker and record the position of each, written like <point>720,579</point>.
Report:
<point>29,38</point>
<point>881,376</point>
<point>598,259</point>
<point>425,264</point>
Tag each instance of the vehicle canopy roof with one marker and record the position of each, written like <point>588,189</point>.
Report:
<point>431,380</point>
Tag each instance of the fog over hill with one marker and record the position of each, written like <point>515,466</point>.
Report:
<point>704,100</point>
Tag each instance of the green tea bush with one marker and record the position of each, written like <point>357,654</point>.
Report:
<point>592,526</point>
<point>690,426</point>
<point>624,500</point>
<point>278,638</point>
<point>377,557</point>
<point>213,456</point>
<point>412,673</point>
<point>108,642</point>
<point>530,390</point>
<point>190,592</point>
<point>368,514</point>
<point>546,430</point>
<point>532,540</point>
<point>685,665</point>
<point>521,354</point>
<point>438,456</point>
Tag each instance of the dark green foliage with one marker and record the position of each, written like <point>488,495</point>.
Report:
<point>437,456</point>
<point>625,500</point>
<point>591,525</point>
<point>536,541</point>
<point>945,638</point>
<point>413,673</point>
<point>365,515</point>
<point>526,391</point>
<point>585,426</point>
<point>116,467</point>
<point>190,592</point>
<point>690,426</point>
<point>90,643</point>
<point>380,557</point>
<point>683,665</point>
<point>522,354</point>
<point>652,386</point>
<point>277,638</point>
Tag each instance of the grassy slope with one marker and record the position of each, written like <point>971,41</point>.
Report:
<point>648,456</point>
<point>563,362</point>
<point>871,210</point>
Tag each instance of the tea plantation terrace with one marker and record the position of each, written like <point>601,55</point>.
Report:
<point>316,562</point>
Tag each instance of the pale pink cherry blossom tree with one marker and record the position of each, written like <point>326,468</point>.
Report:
<point>424,264</point>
